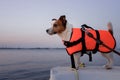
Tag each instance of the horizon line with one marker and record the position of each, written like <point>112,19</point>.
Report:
<point>29,48</point>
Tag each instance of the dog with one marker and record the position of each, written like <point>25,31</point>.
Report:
<point>63,29</point>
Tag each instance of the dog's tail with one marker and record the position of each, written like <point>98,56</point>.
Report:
<point>110,27</point>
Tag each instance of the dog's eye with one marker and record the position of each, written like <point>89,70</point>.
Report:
<point>55,25</point>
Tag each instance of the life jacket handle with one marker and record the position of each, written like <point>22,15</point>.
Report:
<point>84,26</point>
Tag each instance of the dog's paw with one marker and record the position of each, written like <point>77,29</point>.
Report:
<point>82,65</point>
<point>108,67</point>
<point>73,69</point>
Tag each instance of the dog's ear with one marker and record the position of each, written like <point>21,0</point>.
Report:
<point>63,19</point>
<point>54,19</point>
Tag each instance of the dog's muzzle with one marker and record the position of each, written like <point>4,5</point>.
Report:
<point>50,31</point>
<point>47,30</point>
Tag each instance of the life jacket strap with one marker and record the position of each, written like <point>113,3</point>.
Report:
<point>70,44</point>
<point>83,43</point>
<point>90,56</point>
<point>97,44</point>
<point>72,61</point>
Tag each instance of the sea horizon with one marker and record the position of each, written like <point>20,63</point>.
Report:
<point>28,48</point>
<point>35,48</point>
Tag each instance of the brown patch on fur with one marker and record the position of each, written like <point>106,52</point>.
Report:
<point>60,25</point>
<point>110,28</point>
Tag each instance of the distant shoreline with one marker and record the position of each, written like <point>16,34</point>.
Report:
<point>27,48</point>
<point>37,48</point>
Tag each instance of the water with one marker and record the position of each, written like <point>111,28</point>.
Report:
<point>30,64</point>
<point>36,64</point>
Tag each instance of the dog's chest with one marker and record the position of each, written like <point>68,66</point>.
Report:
<point>66,34</point>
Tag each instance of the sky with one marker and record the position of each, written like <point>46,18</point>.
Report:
<point>23,23</point>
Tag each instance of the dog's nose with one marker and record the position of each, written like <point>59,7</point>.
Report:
<point>47,30</point>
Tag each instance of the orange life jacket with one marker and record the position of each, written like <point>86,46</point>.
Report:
<point>80,41</point>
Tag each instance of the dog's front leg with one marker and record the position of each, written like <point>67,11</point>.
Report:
<point>77,59</point>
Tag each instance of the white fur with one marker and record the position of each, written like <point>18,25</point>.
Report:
<point>65,35</point>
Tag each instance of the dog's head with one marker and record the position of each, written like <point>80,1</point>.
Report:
<point>58,25</point>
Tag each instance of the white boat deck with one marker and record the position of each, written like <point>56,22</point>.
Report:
<point>87,73</point>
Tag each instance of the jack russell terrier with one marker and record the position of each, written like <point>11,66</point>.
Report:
<point>64,30</point>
